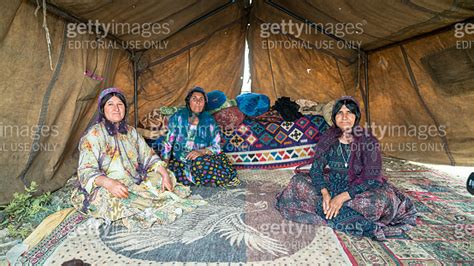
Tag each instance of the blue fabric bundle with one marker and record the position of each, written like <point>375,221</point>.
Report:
<point>253,104</point>
<point>216,99</point>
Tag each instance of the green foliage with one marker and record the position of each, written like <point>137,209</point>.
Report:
<point>22,232</point>
<point>23,210</point>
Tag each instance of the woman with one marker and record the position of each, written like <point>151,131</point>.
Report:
<point>355,198</point>
<point>192,146</point>
<point>120,177</point>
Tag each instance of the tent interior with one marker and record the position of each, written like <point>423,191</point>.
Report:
<point>409,63</point>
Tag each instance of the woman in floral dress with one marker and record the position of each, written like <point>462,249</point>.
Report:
<point>120,178</point>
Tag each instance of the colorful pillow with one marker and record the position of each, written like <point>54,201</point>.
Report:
<point>272,116</point>
<point>228,103</point>
<point>229,118</point>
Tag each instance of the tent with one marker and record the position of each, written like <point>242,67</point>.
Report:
<point>410,64</point>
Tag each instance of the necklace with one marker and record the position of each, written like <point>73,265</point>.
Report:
<point>342,153</point>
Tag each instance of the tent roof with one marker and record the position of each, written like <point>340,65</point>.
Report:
<point>382,22</point>
<point>174,14</point>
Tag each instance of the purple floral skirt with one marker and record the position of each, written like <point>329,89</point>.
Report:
<point>376,213</point>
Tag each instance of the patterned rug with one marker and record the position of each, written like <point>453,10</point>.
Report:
<point>241,226</point>
<point>268,145</point>
<point>445,227</point>
<point>238,226</point>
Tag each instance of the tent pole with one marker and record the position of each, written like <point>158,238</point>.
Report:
<point>366,100</point>
<point>135,87</point>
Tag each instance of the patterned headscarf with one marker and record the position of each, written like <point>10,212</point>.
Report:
<point>111,128</point>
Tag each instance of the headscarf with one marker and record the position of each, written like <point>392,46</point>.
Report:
<point>365,159</point>
<point>112,129</point>
<point>188,98</point>
<point>342,101</point>
<point>122,128</point>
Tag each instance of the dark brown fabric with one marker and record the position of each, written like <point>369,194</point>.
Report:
<point>383,22</point>
<point>451,69</point>
<point>172,15</point>
<point>196,34</point>
<point>395,102</point>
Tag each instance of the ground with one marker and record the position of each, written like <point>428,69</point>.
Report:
<point>6,242</point>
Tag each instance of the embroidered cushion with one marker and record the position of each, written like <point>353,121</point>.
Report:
<point>229,118</point>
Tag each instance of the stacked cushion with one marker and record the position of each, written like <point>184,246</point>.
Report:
<point>253,104</point>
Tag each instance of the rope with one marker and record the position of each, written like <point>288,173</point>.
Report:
<point>46,30</point>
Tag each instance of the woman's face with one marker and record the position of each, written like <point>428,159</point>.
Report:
<point>114,110</point>
<point>345,118</point>
<point>197,102</point>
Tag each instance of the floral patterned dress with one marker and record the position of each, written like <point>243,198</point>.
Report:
<point>213,169</point>
<point>128,159</point>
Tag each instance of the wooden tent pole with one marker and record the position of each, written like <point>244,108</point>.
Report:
<point>366,81</point>
<point>135,59</point>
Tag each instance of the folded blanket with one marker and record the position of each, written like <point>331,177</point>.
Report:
<point>308,107</point>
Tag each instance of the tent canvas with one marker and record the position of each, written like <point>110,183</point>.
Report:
<point>410,64</point>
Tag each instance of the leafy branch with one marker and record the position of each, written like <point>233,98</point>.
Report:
<point>23,210</point>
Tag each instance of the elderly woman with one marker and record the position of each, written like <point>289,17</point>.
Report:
<point>192,146</point>
<point>354,197</point>
<point>120,177</point>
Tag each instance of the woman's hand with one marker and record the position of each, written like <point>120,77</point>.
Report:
<point>336,203</point>
<point>116,188</point>
<point>166,183</point>
<point>194,154</point>
<point>326,199</point>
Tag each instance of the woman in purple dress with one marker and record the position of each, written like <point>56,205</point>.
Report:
<point>354,196</point>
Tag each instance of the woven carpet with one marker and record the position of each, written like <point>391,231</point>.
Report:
<point>238,226</point>
<point>444,234</point>
<point>241,226</point>
<point>268,145</point>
